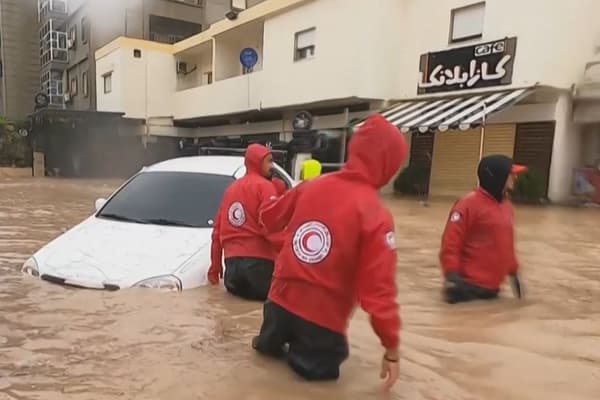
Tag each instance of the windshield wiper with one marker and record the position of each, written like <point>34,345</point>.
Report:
<point>123,218</point>
<point>169,222</point>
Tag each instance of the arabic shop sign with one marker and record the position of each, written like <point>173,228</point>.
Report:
<point>482,65</point>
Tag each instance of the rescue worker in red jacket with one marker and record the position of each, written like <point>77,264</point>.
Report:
<point>249,250</point>
<point>477,251</point>
<point>338,250</point>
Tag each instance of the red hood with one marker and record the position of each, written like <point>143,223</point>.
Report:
<point>376,151</point>
<point>255,154</point>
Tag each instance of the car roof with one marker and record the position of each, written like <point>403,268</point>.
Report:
<point>217,165</point>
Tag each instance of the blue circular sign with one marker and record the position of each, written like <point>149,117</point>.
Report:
<point>248,57</point>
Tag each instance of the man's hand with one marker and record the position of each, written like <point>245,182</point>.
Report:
<point>515,283</point>
<point>453,279</point>
<point>215,274</point>
<point>390,369</point>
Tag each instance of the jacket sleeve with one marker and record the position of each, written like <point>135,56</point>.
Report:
<point>514,265</point>
<point>280,187</point>
<point>453,238</point>
<point>216,248</point>
<point>276,214</point>
<point>377,280</point>
<point>268,195</point>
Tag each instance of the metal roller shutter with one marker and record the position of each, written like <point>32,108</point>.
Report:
<point>421,153</point>
<point>533,147</point>
<point>454,164</point>
<point>499,139</point>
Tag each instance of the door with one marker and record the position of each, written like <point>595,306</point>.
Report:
<point>533,148</point>
<point>454,164</point>
<point>421,154</point>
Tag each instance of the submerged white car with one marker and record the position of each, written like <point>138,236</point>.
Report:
<point>153,232</point>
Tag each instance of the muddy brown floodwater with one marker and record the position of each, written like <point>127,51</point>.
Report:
<point>58,343</point>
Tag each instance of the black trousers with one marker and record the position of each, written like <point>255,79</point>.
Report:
<point>464,292</point>
<point>248,278</point>
<point>313,352</point>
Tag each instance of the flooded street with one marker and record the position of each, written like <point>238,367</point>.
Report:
<point>58,343</point>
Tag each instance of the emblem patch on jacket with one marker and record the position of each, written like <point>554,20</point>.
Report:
<point>455,216</point>
<point>312,242</point>
<point>236,214</point>
<point>390,240</point>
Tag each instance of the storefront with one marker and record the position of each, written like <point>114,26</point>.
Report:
<point>586,185</point>
<point>451,131</point>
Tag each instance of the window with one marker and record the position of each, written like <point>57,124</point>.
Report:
<point>169,198</point>
<point>85,30</point>
<point>73,86</point>
<point>107,78</point>
<point>304,47</point>
<point>85,84</point>
<point>73,35</point>
<point>467,22</point>
<point>137,53</point>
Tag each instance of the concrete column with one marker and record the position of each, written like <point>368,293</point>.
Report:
<point>297,164</point>
<point>566,151</point>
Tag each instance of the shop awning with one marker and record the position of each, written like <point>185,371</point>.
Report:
<point>463,112</point>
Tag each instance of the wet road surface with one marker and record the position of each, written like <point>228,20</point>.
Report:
<point>58,343</point>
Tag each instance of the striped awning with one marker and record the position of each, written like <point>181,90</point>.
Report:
<point>462,113</point>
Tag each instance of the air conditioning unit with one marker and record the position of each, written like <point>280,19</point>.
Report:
<point>67,97</point>
<point>70,44</point>
<point>182,67</point>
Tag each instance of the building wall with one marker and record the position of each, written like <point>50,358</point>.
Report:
<point>110,19</point>
<point>355,58</point>
<point>20,57</point>
<point>131,80</point>
<point>560,34</point>
<point>216,9</point>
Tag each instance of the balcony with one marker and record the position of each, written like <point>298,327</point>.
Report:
<point>229,96</point>
<point>195,67</point>
<point>53,45</point>
<point>52,9</point>
<point>228,46</point>
<point>52,85</point>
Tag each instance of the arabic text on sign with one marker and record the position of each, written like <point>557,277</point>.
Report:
<point>441,76</point>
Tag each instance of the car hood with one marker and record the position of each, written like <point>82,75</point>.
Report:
<point>122,253</point>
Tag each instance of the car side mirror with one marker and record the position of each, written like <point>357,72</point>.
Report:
<point>100,203</point>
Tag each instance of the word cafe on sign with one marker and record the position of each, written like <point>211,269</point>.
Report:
<point>478,66</point>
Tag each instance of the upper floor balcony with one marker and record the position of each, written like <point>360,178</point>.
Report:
<point>53,44</point>
<point>52,9</point>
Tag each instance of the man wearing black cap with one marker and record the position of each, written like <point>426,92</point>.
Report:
<point>477,251</point>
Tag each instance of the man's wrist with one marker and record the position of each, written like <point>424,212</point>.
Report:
<point>391,355</point>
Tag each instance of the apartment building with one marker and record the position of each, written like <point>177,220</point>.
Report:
<point>19,58</point>
<point>71,31</point>
<point>461,78</point>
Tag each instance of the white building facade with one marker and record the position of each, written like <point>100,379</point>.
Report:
<point>508,66</point>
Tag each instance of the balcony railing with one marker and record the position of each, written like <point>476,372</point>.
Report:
<point>53,45</point>
<point>48,8</point>
<point>52,85</point>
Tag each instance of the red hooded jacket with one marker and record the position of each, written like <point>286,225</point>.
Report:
<point>236,231</point>
<point>478,241</point>
<point>338,247</point>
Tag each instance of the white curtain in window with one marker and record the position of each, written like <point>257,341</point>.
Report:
<point>468,21</point>
<point>306,39</point>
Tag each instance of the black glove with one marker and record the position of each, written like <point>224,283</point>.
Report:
<point>453,279</point>
<point>515,283</point>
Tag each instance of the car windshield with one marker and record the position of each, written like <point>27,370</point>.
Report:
<point>169,198</point>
